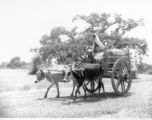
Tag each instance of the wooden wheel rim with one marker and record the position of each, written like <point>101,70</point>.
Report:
<point>91,86</point>
<point>122,72</point>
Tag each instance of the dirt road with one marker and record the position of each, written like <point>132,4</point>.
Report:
<point>138,103</point>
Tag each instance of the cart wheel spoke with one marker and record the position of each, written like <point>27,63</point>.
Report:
<point>120,67</point>
<point>96,81</point>
<point>127,81</point>
<point>87,83</point>
<point>118,83</point>
<point>124,71</point>
<point>123,86</point>
<point>92,85</point>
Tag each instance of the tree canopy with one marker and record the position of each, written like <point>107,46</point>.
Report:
<point>52,45</point>
<point>16,63</point>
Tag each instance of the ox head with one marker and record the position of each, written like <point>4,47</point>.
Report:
<point>67,75</point>
<point>40,75</point>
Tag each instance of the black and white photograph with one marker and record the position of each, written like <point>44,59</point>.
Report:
<point>75,59</point>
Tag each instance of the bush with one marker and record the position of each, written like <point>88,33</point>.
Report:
<point>144,68</point>
<point>150,73</point>
<point>134,75</point>
<point>33,71</point>
<point>36,61</point>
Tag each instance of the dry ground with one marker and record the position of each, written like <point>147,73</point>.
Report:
<point>20,97</point>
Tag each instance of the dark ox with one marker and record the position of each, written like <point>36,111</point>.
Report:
<point>88,72</point>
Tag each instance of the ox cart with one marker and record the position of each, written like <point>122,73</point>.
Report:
<point>119,70</point>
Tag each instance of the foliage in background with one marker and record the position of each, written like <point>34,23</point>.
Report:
<point>74,48</point>
<point>144,68</point>
<point>36,61</point>
<point>16,63</point>
<point>3,65</point>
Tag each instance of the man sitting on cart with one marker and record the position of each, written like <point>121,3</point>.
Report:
<point>95,53</point>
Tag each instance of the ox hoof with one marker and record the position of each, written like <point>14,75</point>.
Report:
<point>74,99</point>
<point>71,95</point>
<point>85,97</point>
<point>57,96</point>
<point>45,96</point>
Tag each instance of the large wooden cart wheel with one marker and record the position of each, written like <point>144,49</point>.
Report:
<point>121,77</point>
<point>91,86</point>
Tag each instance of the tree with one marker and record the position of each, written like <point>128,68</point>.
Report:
<point>14,63</point>
<point>52,44</point>
<point>76,44</point>
<point>3,65</point>
<point>102,23</point>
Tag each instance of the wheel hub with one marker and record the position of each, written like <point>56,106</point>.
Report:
<point>122,78</point>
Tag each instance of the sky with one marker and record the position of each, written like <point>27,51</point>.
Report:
<point>24,22</point>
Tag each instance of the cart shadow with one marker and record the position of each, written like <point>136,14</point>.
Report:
<point>67,100</point>
<point>113,95</point>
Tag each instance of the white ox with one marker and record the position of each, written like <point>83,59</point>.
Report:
<point>54,74</point>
